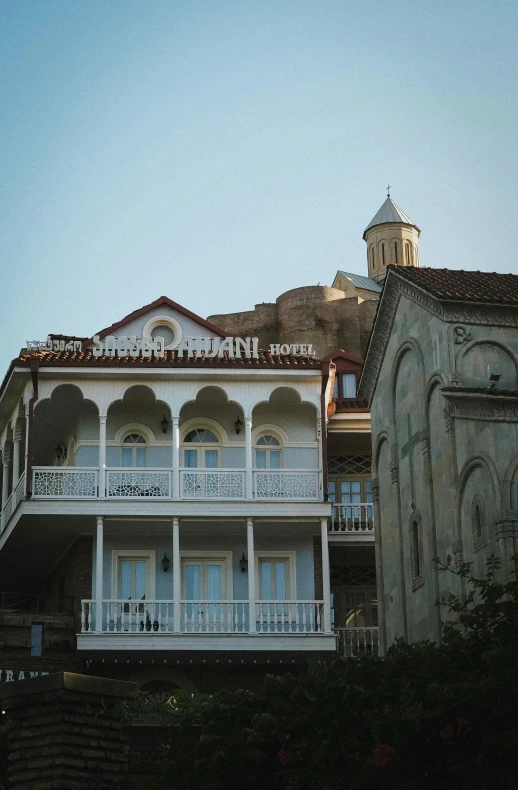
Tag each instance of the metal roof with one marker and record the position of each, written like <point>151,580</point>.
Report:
<point>390,212</point>
<point>362,282</point>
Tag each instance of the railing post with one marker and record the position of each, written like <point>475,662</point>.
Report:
<point>102,455</point>
<point>248,458</point>
<point>177,586</point>
<point>99,574</point>
<point>326,582</point>
<point>176,458</point>
<point>16,455</point>
<point>5,483</point>
<point>251,575</point>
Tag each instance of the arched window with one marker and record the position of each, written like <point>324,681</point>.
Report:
<point>372,256</point>
<point>383,253</point>
<point>134,450</point>
<point>202,450</point>
<point>395,253</point>
<point>478,522</point>
<point>268,452</point>
<point>408,254</point>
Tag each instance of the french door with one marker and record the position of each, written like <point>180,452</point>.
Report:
<point>203,583</point>
<point>133,587</point>
<point>350,491</point>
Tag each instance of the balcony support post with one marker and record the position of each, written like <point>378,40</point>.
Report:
<point>251,575</point>
<point>17,437</point>
<point>5,483</point>
<point>176,458</point>
<point>102,455</point>
<point>26,448</point>
<point>248,458</point>
<point>177,582</point>
<point>326,579</point>
<point>99,574</point>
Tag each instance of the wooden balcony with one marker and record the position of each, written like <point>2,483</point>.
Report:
<point>352,523</point>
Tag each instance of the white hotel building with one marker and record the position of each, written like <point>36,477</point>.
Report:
<point>165,507</point>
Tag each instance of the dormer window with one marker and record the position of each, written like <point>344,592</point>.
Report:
<point>344,386</point>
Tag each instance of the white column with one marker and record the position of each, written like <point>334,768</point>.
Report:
<point>177,582</point>
<point>102,455</point>
<point>251,575</point>
<point>5,483</point>
<point>248,458</point>
<point>99,574</point>
<point>16,457</point>
<point>26,451</point>
<point>176,458</point>
<point>326,581</point>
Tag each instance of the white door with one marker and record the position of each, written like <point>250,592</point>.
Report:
<point>132,583</point>
<point>203,584</point>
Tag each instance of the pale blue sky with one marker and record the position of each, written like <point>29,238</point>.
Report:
<point>223,152</point>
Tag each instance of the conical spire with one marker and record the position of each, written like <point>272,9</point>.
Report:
<point>390,213</point>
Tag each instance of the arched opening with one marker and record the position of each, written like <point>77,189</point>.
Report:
<point>415,548</point>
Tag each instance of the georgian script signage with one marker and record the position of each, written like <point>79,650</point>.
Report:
<point>212,347</point>
<point>53,345</point>
<point>8,675</point>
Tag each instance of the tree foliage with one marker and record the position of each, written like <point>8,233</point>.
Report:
<point>425,716</point>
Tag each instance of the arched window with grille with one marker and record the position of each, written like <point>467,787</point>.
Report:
<point>134,450</point>
<point>478,522</point>
<point>268,452</point>
<point>416,551</point>
<point>201,449</point>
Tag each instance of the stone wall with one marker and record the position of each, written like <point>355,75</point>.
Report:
<point>67,732</point>
<point>314,314</point>
<point>75,571</point>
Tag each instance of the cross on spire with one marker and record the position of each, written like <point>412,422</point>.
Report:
<point>408,450</point>
<point>388,190</point>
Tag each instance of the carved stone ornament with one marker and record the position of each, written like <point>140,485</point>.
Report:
<point>448,418</point>
<point>461,335</point>
<point>507,527</point>
<point>394,474</point>
<point>375,488</point>
<point>454,313</point>
<point>425,442</point>
<point>492,407</point>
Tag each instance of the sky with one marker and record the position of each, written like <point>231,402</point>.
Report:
<point>221,153</point>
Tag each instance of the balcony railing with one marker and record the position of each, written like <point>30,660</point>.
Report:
<point>354,642</point>
<point>15,497</point>
<point>69,482</point>
<point>352,520</point>
<point>286,484</point>
<point>149,483</point>
<point>203,617</point>
<point>212,484</point>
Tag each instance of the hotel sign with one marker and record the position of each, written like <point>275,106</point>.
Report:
<point>210,346</point>
<point>8,675</point>
<point>121,346</point>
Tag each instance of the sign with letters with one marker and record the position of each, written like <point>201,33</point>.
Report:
<point>8,675</point>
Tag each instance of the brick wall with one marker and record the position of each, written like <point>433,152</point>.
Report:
<point>317,564</point>
<point>76,569</point>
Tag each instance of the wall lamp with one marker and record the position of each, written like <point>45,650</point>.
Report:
<point>165,562</point>
<point>243,563</point>
<point>61,451</point>
<point>164,422</point>
<point>238,423</point>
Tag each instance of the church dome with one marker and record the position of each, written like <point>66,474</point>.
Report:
<point>390,213</point>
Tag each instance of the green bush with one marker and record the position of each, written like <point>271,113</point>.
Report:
<point>425,716</point>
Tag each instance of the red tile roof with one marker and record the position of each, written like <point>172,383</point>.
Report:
<point>171,360</point>
<point>462,286</point>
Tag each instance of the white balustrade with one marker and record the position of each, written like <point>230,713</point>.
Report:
<point>353,642</point>
<point>203,617</point>
<point>70,482</point>
<point>149,483</point>
<point>289,616</point>
<point>19,491</point>
<point>286,484</point>
<point>352,518</point>
<point>214,617</point>
<point>212,484</point>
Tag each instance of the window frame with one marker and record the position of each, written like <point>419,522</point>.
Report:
<point>201,447</point>
<point>338,385</point>
<point>134,554</point>
<point>271,556</point>
<point>416,550</point>
<point>479,540</point>
<point>267,449</point>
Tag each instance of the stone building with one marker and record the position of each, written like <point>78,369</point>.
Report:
<point>441,380</point>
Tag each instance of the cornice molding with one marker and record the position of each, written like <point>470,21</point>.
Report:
<point>480,406</point>
<point>472,313</point>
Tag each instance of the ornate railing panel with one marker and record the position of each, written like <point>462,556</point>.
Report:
<point>150,483</point>
<point>8,510</point>
<point>19,491</point>
<point>353,642</point>
<point>283,484</point>
<point>68,482</point>
<point>212,484</point>
<point>352,519</point>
